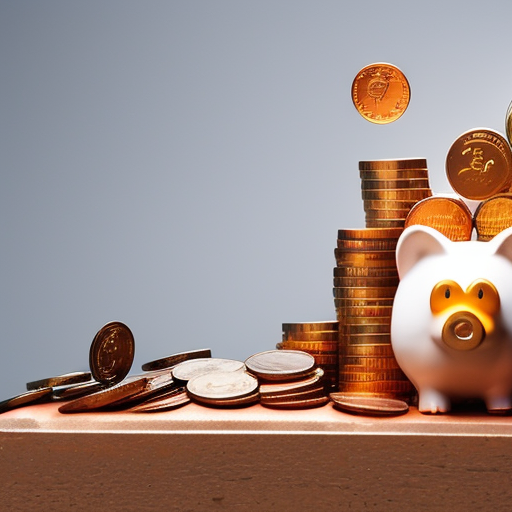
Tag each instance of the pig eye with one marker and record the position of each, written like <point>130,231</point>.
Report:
<point>484,295</point>
<point>444,294</point>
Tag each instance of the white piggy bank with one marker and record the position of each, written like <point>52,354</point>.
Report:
<point>451,326</point>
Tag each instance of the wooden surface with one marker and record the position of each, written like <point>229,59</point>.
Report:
<point>254,459</point>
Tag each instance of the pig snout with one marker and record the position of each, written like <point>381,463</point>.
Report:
<point>463,331</point>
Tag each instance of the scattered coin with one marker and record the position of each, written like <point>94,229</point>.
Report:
<point>60,380</point>
<point>171,399</point>
<point>280,364</point>
<point>189,369</point>
<point>111,353</point>
<point>361,404</point>
<point>27,398</point>
<point>169,361</point>
<point>72,391</point>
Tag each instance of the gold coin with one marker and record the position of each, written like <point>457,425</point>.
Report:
<point>493,216</point>
<point>313,348</point>
<point>508,123</point>
<point>295,385</point>
<point>380,93</point>
<point>404,194</point>
<point>346,329</point>
<point>387,214</point>
<point>60,380</point>
<point>393,174</point>
<point>366,281</point>
<point>371,319</point>
<point>376,204</point>
<point>311,336</point>
<point>348,256</point>
<point>388,223</point>
<point>378,363</point>
<point>367,339</point>
<point>373,311</point>
<point>368,404</point>
<point>375,292</point>
<point>169,361</point>
<point>404,184</point>
<point>373,272</point>
<point>362,302</point>
<point>448,215</point>
<point>369,233</point>
<point>331,325</point>
<point>400,163</point>
<point>479,164</point>
<point>111,353</point>
<point>356,376</point>
<point>366,351</point>
<point>368,245</point>
<point>326,359</point>
<point>383,386</point>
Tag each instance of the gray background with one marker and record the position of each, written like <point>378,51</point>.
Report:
<point>184,167</point>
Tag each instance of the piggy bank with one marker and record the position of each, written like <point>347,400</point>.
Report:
<point>451,324</point>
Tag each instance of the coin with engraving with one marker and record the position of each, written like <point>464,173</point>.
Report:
<point>380,93</point>
<point>187,370</point>
<point>280,364</point>
<point>448,215</point>
<point>167,362</point>
<point>60,380</point>
<point>396,164</point>
<point>479,164</point>
<point>361,404</point>
<point>28,398</point>
<point>111,353</point>
<point>222,386</point>
<point>493,216</point>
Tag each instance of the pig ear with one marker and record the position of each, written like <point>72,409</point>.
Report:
<point>417,242</point>
<point>503,243</point>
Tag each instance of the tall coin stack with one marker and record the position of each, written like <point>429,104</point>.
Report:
<point>320,339</point>
<point>366,278</point>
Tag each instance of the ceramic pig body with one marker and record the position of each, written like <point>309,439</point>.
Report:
<point>451,327</point>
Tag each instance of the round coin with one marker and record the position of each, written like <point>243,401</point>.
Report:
<point>493,216</point>
<point>403,194</point>
<point>393,174</point>
<point>222,385</point>
<point>372,272</point>
<point>411,184</point>
<point>111,353</point>
<point>380,93</point>
<point>400,163</point>
<point>361,404</point>
<point>372,233</point>
<point>27,398</point>
<point>60,380</point>
<point>508,123</point>
<point>280,364</point>
<point>187,370</point>
<point>167,362</point>
<point>304,327</point>
<point>479,164</point>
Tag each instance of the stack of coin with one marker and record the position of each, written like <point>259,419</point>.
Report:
<point>320,339</point>
<point>390,188</point>
<point>289,379</point>
<point>493,216</point>
<point>448,215</point>
<point>365,283</point>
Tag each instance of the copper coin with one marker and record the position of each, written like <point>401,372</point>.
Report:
<point>393,174</point>
<point>72,391</point>
<point>302,403</point>
<point>168,400</point>
<point>366,338</point>
<point>242,401</point>
<point>382,386</point>
<point>304,327</point>
<point>449,216</point>
<point>280,364</point>
<point>311,336</point>
<point>508,123</point>
<point>493,216</point>
<point>385,223</point>
<point>111,353</point>
<point>362,302</point>
<point>370,311</point>
<point>388,204</point>
<point>367,292</point>
<point>400,163</point>
<point>386,214</point>
<point>360,272</point>
<point>369,233</point>
<point>364,329</point>
<point>370,245</point>
<point>369,363</point>
<point>169,361</point>
<point>380,93</point>
<point>479,164</point>
<point>366,281</point>
<point>411,184</point>
<point>158,382</point>
<point>301,384</point>
<point>404,194</point>
<point>28,398</point>
<point>361,404</point>
<point>187,370</point>
<point>60,380</point>
<point>315,346</point>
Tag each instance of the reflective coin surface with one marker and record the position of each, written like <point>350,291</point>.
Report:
<point>280,364</point>
<point>111,353</point>
<point>27,398</point>
<point>222,385</point>
<point>493,216</point>
<point>189,369</point>
<point>368,405</point>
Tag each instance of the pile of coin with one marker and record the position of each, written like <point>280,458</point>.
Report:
<point>390,188</point>
<point>365,283</point>
<point>320,339</point>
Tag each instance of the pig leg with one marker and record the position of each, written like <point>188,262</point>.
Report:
<point>432,401</point>
<point>501,404</point>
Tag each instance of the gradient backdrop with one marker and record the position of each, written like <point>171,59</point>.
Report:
<point>184,167</point>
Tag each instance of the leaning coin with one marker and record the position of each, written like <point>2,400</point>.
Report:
<point>189,369</point>
<point>159,382</point>
<point>280,364</point>
<point>111,353</point>
<point>60,380</point>
<point>170,400</point>
<point>27,398</point>
<point>361,404</point>
<point>167,362</point>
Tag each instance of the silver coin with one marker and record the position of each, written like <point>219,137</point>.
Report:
<point>187,370</point>
<point>222,385</point>
<point>280,364</point>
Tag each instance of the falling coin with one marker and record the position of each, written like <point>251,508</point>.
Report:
<point>361,404</point>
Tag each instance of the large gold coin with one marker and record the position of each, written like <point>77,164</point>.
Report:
<point>331,325</point>
<point>404,194</point>
<point>411,184</point>
<point>366,233</point>
<point>448,215</point>
<point>493,216</point>
<point>400,163</point>
<point>380,93</point>
<point>394,174</point>
<point>111,353</point>
<point>479,164</point>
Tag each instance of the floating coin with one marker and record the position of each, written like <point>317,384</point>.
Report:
<point>222,386</point>
<point>189,369</point>
<point>60,380</point>
<point>167,362</point>
<point>493,216</point>
<point>111,353</point>
<point>400,163</point>
<point>380,93</point>
<point>331,325</point>
<point>171,399</point>
<point>361,404</point>
<point>29,397</point>
<point>448,215</point>
<point>280,364</point>
<point>479,164</point>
